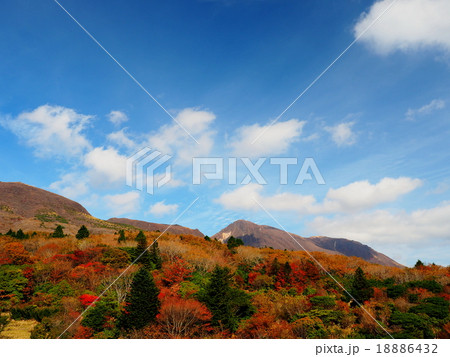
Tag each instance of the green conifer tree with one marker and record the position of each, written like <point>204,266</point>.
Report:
<point>142,304</point>
<point>83,232</point>
<point>142,252</point>
<point>58,232</point>
<point>122,237</point>
<point>227,305</point>
<point>21,235</point>
<point>140,236</point>
<point>360,288</point>
<point>155,256</point>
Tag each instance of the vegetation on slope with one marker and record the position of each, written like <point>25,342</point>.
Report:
<point>189,287</point>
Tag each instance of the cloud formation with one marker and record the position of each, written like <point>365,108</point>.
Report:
<point>384,226</point>
<point>162,209</point>
<point>271,140</point>
<point>105,165</point>
<point>122,203</point>
<point>117,117</point>
<point>434,105</point>
<point>408,25</point>
<point>342,134</point>
<point>355,197</point>
<point>53,131</point>
<point>173,140</point>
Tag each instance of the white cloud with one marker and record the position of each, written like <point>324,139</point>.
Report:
<point>382,226</point>
<point>354,197</point>
<point>105,166</point>
<point>122,203</point>
<point>435,104</point>
<point>271,140</point>
<point>71,185</point>
<point>53,131</point>
<point>162,209</point>
<point>342,134</point>
<point>407,25</point>
<point>117,117</point>
<point>362,194</point>
<point>121,139</point>
<point>173,140</point>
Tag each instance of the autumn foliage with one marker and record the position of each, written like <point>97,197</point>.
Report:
<point>190,287</point>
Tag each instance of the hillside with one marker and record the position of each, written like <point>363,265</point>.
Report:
<point>33,209</point>
<point>46,283</point>
<point>28,201</point>
<point>266,236</point>
<point>152,227</point>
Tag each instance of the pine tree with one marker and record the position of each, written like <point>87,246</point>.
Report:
<point>83,232</point>
<point>155,256</point>
<point>227,305</point>
<point>275,267</point>
<point>140,236</point>
<point>122,237</point>
<point>234,242</point>
<point>21,235</point>
<point>58,232</point>
<point>419,264</point>
<point>142,251</point>
<point>360,288</point>
<point>11,233</point>
<point>142,304</point>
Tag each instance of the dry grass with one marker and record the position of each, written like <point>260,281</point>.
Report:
<point>18,329</point>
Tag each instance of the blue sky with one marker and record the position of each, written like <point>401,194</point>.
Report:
<point>376,124</point>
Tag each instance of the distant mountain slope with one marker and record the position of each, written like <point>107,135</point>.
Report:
<point>29,201</point>
<point>259,236</point>
<point>149,226</point>
<point>33,209</point>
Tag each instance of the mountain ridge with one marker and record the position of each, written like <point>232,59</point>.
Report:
<point>261,235</point>
<point>151,226</point>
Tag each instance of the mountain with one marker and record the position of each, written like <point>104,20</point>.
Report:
<point>33,209</point>
<point>149,226</point>
<point>260,236</point>
<point>29,201</point>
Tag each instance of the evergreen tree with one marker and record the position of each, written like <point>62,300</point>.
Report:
<point>142,304</point>
<point>275,267</point>
<point>21,235</point>
<point>207,238</point>
<point>140,236</point>
<point>58,232</point>
<point>142,252</point>
<point>287,270</point>
<point>122,237</point>
<point>234,242</point>
<point>155,256</point>
<point>11,233</point>
<point>360,288</point>
<point>227,305</point>
<point>83,232</point>
<point>419,264</point>
<point>98,315</point>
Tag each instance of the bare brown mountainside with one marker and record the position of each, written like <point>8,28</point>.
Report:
<point>266,236</point>
<point>33,209</point>
<point>149,226</point>
<point>29,201</point>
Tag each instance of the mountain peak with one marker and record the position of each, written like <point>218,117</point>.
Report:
<point>266,236</point>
